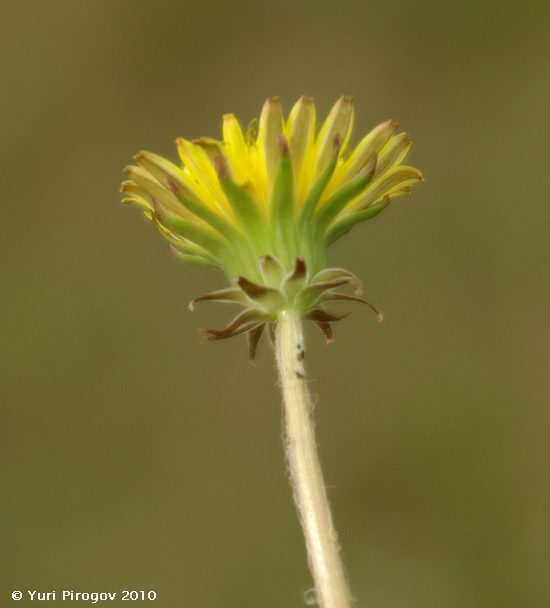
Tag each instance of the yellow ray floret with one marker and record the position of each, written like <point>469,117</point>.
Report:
<point>288,191</point>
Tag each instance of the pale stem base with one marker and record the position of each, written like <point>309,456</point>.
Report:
<point>305,470</point>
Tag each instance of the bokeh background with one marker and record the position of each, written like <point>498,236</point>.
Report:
<point>132,456</point>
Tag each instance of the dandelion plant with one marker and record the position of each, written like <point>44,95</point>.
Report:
<point>263,207</point>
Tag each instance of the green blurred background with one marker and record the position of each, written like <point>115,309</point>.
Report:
<point>133,457</point>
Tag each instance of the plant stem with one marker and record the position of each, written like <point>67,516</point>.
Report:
<point>306,476</point>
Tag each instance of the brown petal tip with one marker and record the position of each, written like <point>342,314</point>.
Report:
<point>221,166</point>
<point>251,289</point>
<point>253,337</point>
<point>172,186</point>
<point>230,294</point>
<point>300,269</point>
<point>324,316</point>
<point>282,143</point>
<point>129,170</point>
<point>393,124</point>
<point>336,143</point>
<point>370,165</point>
<point>344,297</point>
<point>158,208</point>
<point>326,330</point>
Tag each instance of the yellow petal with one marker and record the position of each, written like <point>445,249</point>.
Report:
<point>300,130</point>
<point>241,152</point>
<point>394,182</point>
<point>149,187</point>
<point>371,143</point>
<point>203,175</point>
<point>236,148</point>
<point>338,124</point>
<point>135,196</point>
<point>258,181</point>
<point>271,126</point>
<point>212,147</point>
<point>164,171</point>
<point>393,153</point>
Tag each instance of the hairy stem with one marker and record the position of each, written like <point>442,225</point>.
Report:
<point>306,476</point>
